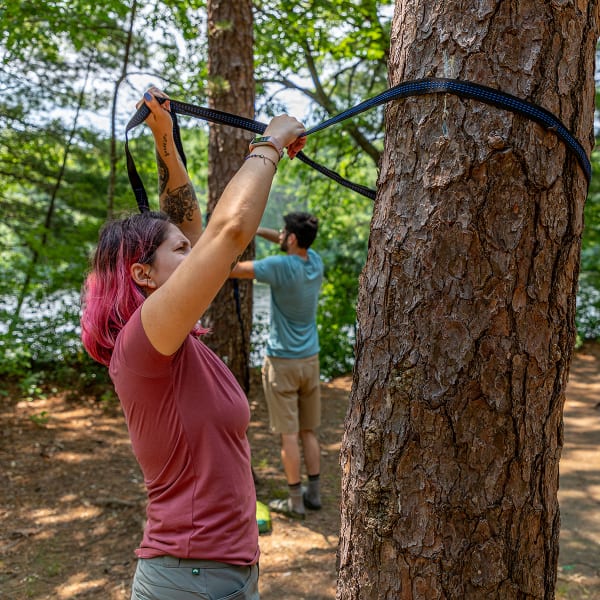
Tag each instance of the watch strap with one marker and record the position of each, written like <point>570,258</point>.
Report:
<point>267,140</point>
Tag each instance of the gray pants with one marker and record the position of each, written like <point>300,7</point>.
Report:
<point>170,578</point>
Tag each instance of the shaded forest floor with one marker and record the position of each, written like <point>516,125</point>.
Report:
<point>72,498</point>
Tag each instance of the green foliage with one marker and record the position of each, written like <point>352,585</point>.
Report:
<point>40,419</point>
<point>344,249</point>
<point>55,169</point>
<point>61,60</point>
<point>588,297</point>
<point>333,53</point>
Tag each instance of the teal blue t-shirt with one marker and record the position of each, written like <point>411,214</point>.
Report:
<point>295,284</point>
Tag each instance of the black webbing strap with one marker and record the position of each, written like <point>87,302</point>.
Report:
<point>222,118</point>
<point>418,87</point>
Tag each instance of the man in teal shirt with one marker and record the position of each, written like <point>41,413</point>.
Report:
<point>291,378</point>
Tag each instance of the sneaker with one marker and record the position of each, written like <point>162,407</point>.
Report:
<point>284,507</point>
<point>309,504</point>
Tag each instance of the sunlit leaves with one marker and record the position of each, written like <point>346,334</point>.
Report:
<point>336,52</point>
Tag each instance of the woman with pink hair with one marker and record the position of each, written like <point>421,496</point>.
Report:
<point>152,277</point>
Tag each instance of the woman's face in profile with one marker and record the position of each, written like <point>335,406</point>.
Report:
<point>169,255</point>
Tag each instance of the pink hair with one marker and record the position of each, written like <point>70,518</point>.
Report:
<point>109,295</point>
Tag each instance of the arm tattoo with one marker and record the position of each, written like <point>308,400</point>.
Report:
<point>163,174</point>
<point>181,203</point>
<point>164,145</point>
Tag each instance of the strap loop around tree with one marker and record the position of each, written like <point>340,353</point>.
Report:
<point>463,89</point>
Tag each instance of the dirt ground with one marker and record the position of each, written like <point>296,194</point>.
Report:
<point>72,498</point>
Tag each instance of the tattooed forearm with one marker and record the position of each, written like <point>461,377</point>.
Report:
<point>163,174</point>
<point>180,203</point>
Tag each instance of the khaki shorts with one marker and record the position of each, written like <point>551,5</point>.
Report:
<point>293,391</point>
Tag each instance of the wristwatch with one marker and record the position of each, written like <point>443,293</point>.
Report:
<point>268,140</point>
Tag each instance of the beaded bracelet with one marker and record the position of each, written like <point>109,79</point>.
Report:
<point>265,158</point>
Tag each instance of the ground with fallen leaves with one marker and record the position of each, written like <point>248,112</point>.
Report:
<point>72,498</point>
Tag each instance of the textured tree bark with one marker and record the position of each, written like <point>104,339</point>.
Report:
<point>231,89</point>
<point>466,310</point>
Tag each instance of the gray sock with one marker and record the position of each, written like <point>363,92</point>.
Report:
<point>296,497</point>
<point>313,491</point>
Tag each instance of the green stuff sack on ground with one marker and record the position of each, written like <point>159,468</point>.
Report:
<point>263,518</point>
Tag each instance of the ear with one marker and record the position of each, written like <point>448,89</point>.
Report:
<point>292,237</point>
<point>140,273</point>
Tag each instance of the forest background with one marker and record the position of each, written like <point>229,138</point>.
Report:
<point>71,74</point>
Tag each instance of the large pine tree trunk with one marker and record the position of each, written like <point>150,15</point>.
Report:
<point>466,310</point>
<point>231,89</point>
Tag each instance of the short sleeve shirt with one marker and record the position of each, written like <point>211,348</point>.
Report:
<point>187,419</point>
<point>295,284</point>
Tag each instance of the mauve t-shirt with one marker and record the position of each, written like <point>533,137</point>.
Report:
<point>187,418</point>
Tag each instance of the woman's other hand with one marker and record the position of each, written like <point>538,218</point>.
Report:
<point>288,131</point>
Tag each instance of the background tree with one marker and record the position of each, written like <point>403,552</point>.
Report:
<point>466,310</point>
<point>114,159</point>
<point>230,89</point>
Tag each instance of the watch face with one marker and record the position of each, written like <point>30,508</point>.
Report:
<point>257,140</point>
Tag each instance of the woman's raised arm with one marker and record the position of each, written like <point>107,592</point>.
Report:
<point>177,196</point>
<point>180,293</point>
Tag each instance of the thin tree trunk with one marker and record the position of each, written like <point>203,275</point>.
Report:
<point>231,89</point>
<point>35,254</point>
<point>110,198</point>
<point>466,311</point>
